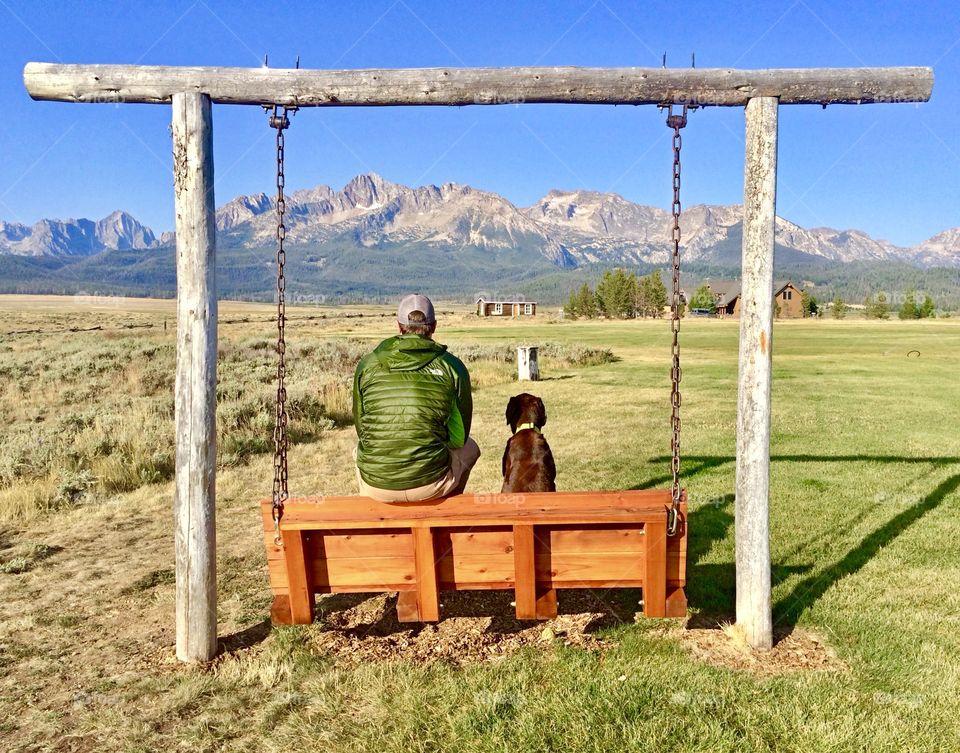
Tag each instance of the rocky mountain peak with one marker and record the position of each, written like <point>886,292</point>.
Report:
<point>371,191</point>
<point>242,209</point>
<point>567,227</point>
<point>120,230</point>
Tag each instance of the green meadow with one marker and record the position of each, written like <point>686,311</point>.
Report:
<point>865,516</point>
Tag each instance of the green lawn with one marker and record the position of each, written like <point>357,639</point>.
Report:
<point>864,520</point>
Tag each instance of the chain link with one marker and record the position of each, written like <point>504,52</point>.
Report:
<point>676,122</point>
<point>280,121</point>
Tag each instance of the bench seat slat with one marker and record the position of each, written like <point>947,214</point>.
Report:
<point>476,509</point>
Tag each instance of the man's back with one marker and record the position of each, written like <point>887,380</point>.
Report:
<point>411,405</point>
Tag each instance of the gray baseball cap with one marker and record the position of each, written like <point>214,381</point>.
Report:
<point>416,302</point>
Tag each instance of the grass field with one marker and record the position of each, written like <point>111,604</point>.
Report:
<point>864,518</point>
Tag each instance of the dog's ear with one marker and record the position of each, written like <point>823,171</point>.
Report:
<point>541,414</point>
<point>514,406</point>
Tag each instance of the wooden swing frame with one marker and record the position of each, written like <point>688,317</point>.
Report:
<point>192,90</point>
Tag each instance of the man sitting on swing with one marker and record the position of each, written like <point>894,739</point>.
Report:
<point>412,409</point>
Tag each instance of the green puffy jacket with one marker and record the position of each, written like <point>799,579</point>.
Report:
<point>411,404</point>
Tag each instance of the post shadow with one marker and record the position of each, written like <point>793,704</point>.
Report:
<point>711,587</point>
<point>807,592</point>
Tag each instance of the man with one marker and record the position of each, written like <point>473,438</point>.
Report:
<point>412,409</point>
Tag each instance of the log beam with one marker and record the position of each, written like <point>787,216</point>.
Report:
<point>153,84</point>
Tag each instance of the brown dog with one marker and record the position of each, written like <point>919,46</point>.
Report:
<point>527,461</point>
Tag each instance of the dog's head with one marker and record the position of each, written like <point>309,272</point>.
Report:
<point>526,409</point>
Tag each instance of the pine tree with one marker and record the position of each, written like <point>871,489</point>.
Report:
<point>586,303</point>
<point>641,298</point>
<point>634,295</point>
<point>839,309</point>
<point>909,310</point>
<point>604,285</point>
<point>881,308</point>
<point>572,309</point>
<point>653,294</point>
<point>808,304</point>
<point>615,294</point>
<point>927,308</point>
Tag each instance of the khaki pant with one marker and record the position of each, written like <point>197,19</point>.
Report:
<point>462,461</point>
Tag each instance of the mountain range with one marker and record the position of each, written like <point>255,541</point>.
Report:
<point>374,233</point>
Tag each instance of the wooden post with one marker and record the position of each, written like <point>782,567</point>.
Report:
<point>524,572</point>
<point>425,565</point>
<point>655,568</point>
<point>298,578</point>
<point>753,397</point>
<point>196,380</point>
<point>528,368</point>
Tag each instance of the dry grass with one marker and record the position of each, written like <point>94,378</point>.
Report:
<point>89,415</point>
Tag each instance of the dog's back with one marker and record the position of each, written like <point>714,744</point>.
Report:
<point>528,464</point>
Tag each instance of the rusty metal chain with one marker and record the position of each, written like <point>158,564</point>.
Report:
<point>676,122</point>
<point>279,119</point>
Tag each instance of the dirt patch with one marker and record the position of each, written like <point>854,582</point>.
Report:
<point>478,626</point>
<point>362,629</point>
<point>794,651</point>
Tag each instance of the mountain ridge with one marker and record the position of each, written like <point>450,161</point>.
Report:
<point>566,228</point>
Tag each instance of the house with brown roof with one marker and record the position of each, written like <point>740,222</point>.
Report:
<point>788,299</point>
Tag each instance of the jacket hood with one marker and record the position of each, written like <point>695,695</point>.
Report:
<point>407,352</point>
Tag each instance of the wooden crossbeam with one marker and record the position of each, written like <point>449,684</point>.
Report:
<point>725,87</point>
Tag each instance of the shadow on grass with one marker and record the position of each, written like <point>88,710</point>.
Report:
<point>693,465</point>
<point>246,638</point>
<point>807,592</point>
<point>711,588</point>
<point>612,606</point>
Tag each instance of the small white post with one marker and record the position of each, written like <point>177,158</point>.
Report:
<point>754,614</point>
<point>196,380</point>
<point>527,367</point>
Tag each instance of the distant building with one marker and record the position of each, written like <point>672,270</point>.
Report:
<point>726,298</point>
<point>506,308</point>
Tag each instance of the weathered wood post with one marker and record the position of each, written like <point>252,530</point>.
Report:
<point>528,369</point>
<point>196,381</point>
<point>756,360</point>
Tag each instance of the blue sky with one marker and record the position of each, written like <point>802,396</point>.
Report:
<point>891,170</point>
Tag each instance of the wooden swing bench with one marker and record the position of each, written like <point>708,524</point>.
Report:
<point>532,543</point>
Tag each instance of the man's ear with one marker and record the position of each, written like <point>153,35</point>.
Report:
<point>513,412</point>
<point>541,413</point>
